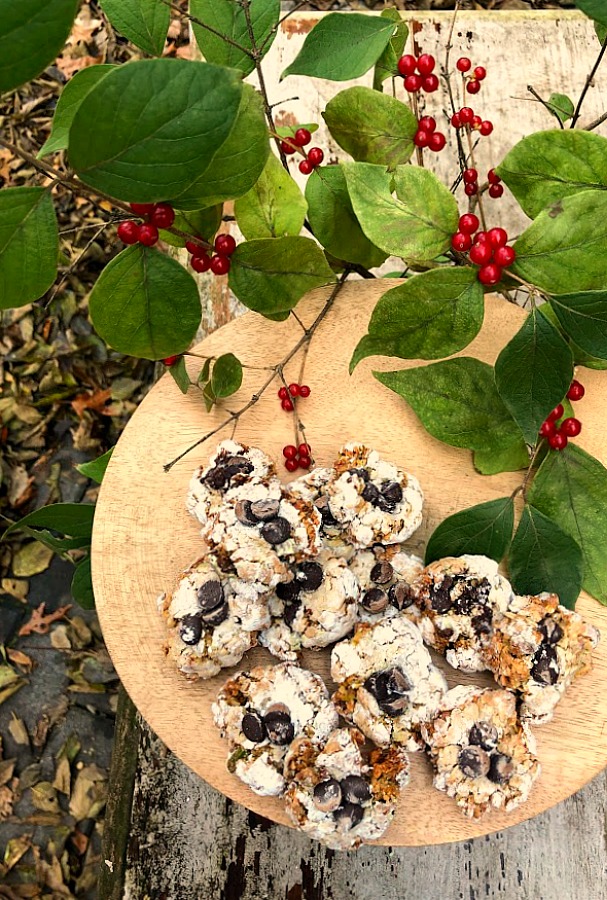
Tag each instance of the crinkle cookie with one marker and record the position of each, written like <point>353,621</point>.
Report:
<point>483,755</point>
<point>537,648</point>
<point>232,466</point>
<point>313,487</point>
<point>458,598</point>
<point>385,575</point>
<point>207,614</point>
<point>262,711</point>
<point>374,500</point>
<point>387,683</point>
<point>316,608</point>
<point>337,797</point>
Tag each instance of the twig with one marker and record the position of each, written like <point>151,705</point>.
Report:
<point>596,122</point>
<point>478,195</point>
<point>446,75</point>
<point>74,265</point>
<point>547,106</point>
<point>589,80</point>
<point>209,28</point>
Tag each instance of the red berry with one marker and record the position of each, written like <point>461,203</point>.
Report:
<point>290,451</point>
<point>548,427</point>
<point>473,86</point>
<point>471,189</point>
<point>480,73</point>
<point>470,176</point>
<point>481,253</point>
<point>427,123</point>
<point>220,265</point>
<point>288,147</point>
<point>283,393</point>
<point>148,235</point>
<point>302,137</point>
<point>493,177</point>
<point>425,64</point>
<point>291,465</point>
<point>170,360</point>
<point>422,138</point>
<point>306,167</point>
<point>556,413</point>
<point>304,390</point>
<point>464,64</point>
<point>466,114</point>
<point>142,209</point>
<point>304,449</point>
<point>481,237</point>
<point>456,121</point>
<point>497,237</point>
<point>201,262</point>
<point>468,223</point>
<point>315,156</point>
<point>476,122</point>
<point>496,190</point>
<point>486,128</point>
<point>194,249</point>
<point>305,462</point>
<point>504,256</point>
<point>489,274</point>
<point>163,215</point>
<point>413,83</point>
<point>430,84</point>
<point>558,441</point>
<point>225,244</point>
<point>294,390</point>
<point>128,231</point>
<point>437,142</point>
<point>461,241</point>
<point>576,391</point>
<point>571,427</point>
<point>407,65</point>
<point>287,405</point>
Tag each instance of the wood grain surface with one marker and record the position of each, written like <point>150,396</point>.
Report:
<point>143,538</point>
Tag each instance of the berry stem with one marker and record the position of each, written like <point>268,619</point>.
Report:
<point>418,150</point>
<point>474,166</point>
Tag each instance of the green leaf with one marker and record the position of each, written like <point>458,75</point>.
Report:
<point>29,245</point>
<point>180,375</point>
<point>484,530</point>
<point>274,207</point>
<point>386,65</point>
<point>145,304</point>
<point>507,459</point>
<point>595,9</point>
<point>202,223</point>
<point>430,316</point>
<point>73,519</point>
<point>601,32</point>
<point>564,250</point>
<point>227,17</point>
<point>174,117</point>
<point>533,373</point>
<point>545,167</point>
<point>271,276</point>
<point>333,220</point>
<point>31,35</point>
<point>144,23</point>
<point>571,489</point>
<point>238,163</point>
<point>372,128</point>
<point>341,47</point>
<point>417,226</point>
<point>71,97</point>
<point>544,558</point>
<point>226,377</point>
<point>583,317</point>
<point>82,584</point>
<point>288,131</point>
<point>581,358</point>
<point>95,469</point>
<point>562,106</point>
<point>457,402</point>
<point>205,371</point>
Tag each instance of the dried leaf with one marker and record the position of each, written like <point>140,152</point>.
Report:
<point>16,588</point>
<point>19,732</point>
<point>60,639</point>
<point>7,767</point>
<point>96,402</point>
<point>31,559</point>
<point>40,621</point>
<point>63,777</point>
<point>89,793</point>
<point>20,659</point>
<point>44,797</point>
<point>15,849</point>
<point>7,798</point>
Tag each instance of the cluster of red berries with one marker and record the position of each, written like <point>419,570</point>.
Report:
<point>487,249</point>
<point>558,433</point>
<point>297,457</point>
<point>428,136</point>
<point>287,395</point>
<point>466,118</point>
<point>156,215</point>
<point>496,189</point>
<point>418,73</point>
<point>219,262</point>
<point>472,81</point>
<point>312,159</point>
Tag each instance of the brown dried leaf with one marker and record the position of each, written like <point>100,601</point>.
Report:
<point>7,767</point>
<point>7,798</point>
<point>20,659</point>
<point>20,487</point>
<point>96,401</point>
<point>89,793</point>
<point>63,777</point>
<point>19,732</point>
<point>60,639</point>
<point>15,849</point>
<point>40,621</point>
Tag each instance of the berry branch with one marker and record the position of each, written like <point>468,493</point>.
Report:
<point>589,81</point>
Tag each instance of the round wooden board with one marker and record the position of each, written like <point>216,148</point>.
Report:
<point>143,538</point>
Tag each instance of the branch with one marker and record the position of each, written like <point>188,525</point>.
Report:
<point>596,123</point>
<point>535,94</point>
<point>447,79</point>
<point>209,28</point>
<point>589,80</point>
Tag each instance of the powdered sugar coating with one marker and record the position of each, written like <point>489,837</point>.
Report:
<point>313,487</point>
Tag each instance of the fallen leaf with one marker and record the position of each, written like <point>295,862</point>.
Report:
<point>96,402</point>
<point>60,639</point>
<point>20,659</point>
<point>44,797</point>
<point>31,559</point>
<point>19,732</point>
<point>20,487</point>
<point>49,719</point>
<point>89,793</point>
<point>7,798</point>
<point>40,621</point>
<point>69,67</point>
<point>15,849</point>
<point>15,587</point>
<point>7,767</point>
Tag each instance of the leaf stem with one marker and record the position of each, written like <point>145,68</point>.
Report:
<point>589,80</point>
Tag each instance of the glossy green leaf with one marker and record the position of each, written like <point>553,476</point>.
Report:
<point>595,9</point>
<point>506,459</point>
<point>32,33</point>
<point>29,245</point>
<point>533,373</point>
<point>571,488</point>
<point>227,17</point>
<point>174,117</point>
<point>581,358</point>
<point>341,47</point>
<point>583,317</point>
<point>71,97</point>
<point>145,304</point>
<point>544,558</point>
<point>180,376</point>
<point>372,128</point>
<point>82,584</point>
<point>144,23</point>
<point>386,65</point>
<point>484,530</point>
<point>546,166</point>
<point>73,519</point>
<point>95,469</point>
<point>288,131</point>
<point>202,223</point>
<point>563,251</point>
<point>274,207</point>
<point>561,106</point>
<point>271,276</point>
<point>416,225</point>
<point>226,377</point>
<point>601,32</point>
<point>430,316</point>
<point>457,402</point>
<point>333,220</point>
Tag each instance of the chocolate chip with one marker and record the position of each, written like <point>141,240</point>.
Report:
<point>484,734</point>
<point>370,493</point>
<point>355,789</point>
<point>348,816</point>
<point>327,795</point>
<point>322,505</point>
<point>382,572</point>
<point>290,613</point>
<point>309,576</point>
<point>362,473</point>
<point>401,595</point>
<point>374,600</point>
<point>482,623</point>
<point>253,727</point>
<point>237,465</point>
<point>243,513</point>
<point>551,630</point>
<point>389,688</point>
<point>276,531</point>
<point>279,726</point>
<point>210,595</point>
<point>190,629</point>
<point>545,669</point>
<point>264,510</point>
<point>473,761</point>
<point>392,492</point>
<point>288,591</point>
<point>216,478</point>
<point>501,768</point>
<point>216,616</point>
<point>440,599</point>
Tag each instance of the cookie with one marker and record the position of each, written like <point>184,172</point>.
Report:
<point>387,684</point>
<point>483,755</point>
<point>313,487</point>
<point>537,648</point>
<point>375,501</point>
<point>316,608</point>
<point>385,575</point>
<point>339,796</point>
<point>262,712</point>
<point>458,598</point>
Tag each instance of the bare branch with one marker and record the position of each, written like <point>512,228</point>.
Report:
<point>589,80</point>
